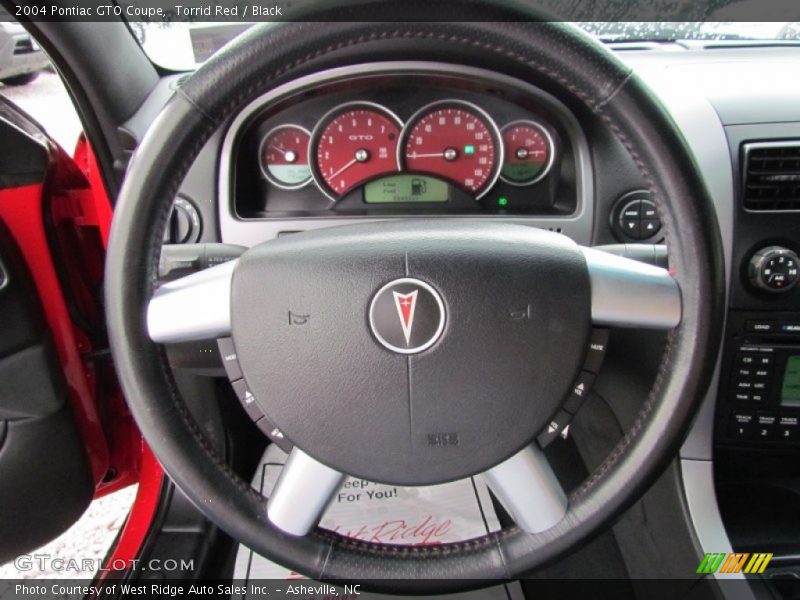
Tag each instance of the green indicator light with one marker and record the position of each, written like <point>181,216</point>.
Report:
<point>469,149</point>
<point>502,201</point>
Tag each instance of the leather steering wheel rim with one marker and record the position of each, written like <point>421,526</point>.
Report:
<point>556,56</point>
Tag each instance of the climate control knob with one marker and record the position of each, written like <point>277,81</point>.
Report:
<point>773,269</point>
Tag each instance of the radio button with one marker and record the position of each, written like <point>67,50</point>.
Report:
<point>764,360</point>
<point>742,397</point>
<point>579,392</point>
<point>760,386</point>
<point>598,343</point>
<point>229,358</point>
<point>744,384</point>
<point>789,327</point>
<point>554,428</point>
<point>247,399</point>
<point>762,372</point>
<point>758,396</point>
<point>744,372</point>
<point>742,426</point>
<point>788,429</point>
<point>762,326</point>
<point>766,428</point>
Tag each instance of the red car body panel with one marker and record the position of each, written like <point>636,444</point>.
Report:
<point>70,214</point>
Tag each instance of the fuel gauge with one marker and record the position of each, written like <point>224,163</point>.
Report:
<point>284,157</point>
<point>529,153</point>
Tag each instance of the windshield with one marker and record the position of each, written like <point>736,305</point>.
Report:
<point>183,46</point>
<point>709,30</point>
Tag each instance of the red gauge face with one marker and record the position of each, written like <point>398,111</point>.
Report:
<point>528,152</point>
<point>284,156</point>
<point>357,144</point>
<point>455,141</point>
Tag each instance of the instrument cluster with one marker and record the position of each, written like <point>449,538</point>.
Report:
<point>420,151</point>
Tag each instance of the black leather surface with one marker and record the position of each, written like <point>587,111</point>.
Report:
<point>553,55</point>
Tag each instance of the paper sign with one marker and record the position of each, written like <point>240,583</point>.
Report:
<point>374,512</point>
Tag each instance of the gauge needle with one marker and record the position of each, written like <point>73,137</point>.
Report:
<point>281,150</point>
<point>347,166</point>
<point>428,155</point>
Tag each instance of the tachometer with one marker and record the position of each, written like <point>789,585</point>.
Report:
<point>455,140</point>
<point>529,152</point>
<point>353,144</point>
<point>283,156</point>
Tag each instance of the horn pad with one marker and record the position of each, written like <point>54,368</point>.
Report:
<point>413,352</point>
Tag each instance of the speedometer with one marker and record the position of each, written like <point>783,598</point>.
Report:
<point>353,144</point>
<point>455,140</point>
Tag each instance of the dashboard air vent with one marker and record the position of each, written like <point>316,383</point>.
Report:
<point>772,176</point>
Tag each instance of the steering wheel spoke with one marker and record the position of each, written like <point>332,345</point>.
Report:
<point>303,491</point>
<point>528,489</point>
<point>628,293</point>
<point>195,307</point>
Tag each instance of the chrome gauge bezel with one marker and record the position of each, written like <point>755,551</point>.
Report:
<point>265,172</point>
<point>325,120</point>
<point>470,106</point>
<point>550,161</point>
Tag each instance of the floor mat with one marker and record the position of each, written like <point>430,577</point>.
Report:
<point>364,510</point>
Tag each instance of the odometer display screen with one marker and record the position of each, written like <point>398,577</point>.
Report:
<point>406,188</point>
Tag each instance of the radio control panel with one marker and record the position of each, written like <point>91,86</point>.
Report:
<point>759,390</point>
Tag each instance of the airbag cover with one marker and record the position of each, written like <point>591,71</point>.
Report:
<point>516,321</point>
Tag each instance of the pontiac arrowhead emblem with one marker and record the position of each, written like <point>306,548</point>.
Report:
<point>406,303</point>
<point>407,316</point>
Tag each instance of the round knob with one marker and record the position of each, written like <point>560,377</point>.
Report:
<point>773,269</point>
<point>184,226</point>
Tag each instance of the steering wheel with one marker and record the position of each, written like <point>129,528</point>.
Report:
<point>463,391</point>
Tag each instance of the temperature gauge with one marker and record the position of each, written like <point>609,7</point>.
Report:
<point>529,153</point>
<point>284,157</point>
